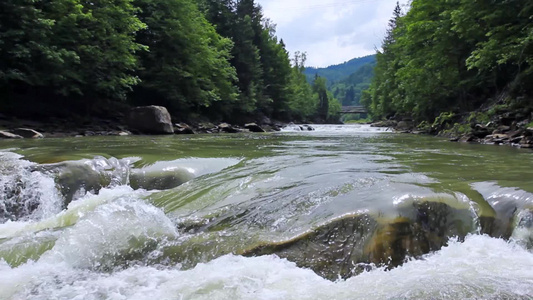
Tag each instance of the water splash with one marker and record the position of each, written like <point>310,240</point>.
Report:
<point>332,129</point>
<point>479,268</point>
<point>25,195</point>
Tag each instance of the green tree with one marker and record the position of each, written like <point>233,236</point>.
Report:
<point>302,104</point>
<point>321,92</point>
<point>82,50</point>
<point>186,67</point>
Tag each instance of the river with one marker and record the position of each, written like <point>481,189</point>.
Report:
<point>342,212</point>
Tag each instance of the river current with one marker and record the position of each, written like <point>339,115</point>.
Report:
<point>342,212</point>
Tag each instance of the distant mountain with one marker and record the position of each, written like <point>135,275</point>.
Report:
<point>341,71</point>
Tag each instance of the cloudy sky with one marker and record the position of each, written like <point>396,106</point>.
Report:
<point>330,31</point>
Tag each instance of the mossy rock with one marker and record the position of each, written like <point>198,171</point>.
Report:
<point>332,250</point>
<point>346,246</point>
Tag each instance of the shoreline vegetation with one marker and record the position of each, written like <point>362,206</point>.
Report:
<point>204,60</point>
<point>459,69</point>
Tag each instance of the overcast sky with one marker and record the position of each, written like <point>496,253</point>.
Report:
<point>330,31</point>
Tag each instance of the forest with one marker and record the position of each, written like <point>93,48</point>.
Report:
<point>455,61</point>
<point>212,59</point>
<point>348,80</point>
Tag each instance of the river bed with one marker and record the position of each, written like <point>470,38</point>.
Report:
<point>342,212</point>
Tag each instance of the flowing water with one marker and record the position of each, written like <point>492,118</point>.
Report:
<point>342,212</point>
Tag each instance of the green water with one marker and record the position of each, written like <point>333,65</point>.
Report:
<point>329,200</point>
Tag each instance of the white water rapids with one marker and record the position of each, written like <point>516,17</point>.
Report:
<point>113,242</point>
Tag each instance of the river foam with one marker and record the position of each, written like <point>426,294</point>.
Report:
<point>333,129</point>
<point>478,268</point>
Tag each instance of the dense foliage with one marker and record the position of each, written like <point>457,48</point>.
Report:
<point>217,59</point>
<point>453,56</point>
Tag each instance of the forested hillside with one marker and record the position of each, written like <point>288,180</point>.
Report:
<point>216,59</point>
<point>350,89</point>
<point>445,62</point>
<point>340,72</point>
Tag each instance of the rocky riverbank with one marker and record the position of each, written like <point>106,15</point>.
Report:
<point>498,124</point>
<point>155,121</point>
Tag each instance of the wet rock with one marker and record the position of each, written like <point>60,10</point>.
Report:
<point>422,227</point>
<point>150,120</point>
<point>468,138</point>
<point>405,125</point>
<point>9,135</point>
<point>253,127</point>
<point>207,127</point>
<point>516,133</point>
<point>344,247</point>
<point>27,133</point>
<point>183,128</point>
<point>523,232</point>
<point>388,123</point>
<point>330,250</point>
<point>74,179</point>
<point>480,131</point>
<point>516,140</point>
<point>503,128</point>
<point>124,133</point>
<point>498,139</point>
<point>159,180</point>
<point>307,128</point>
<point>227,128</point>
<point>527,142</point>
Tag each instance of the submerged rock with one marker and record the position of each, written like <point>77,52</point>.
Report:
<point>74,179</point>
<point>345,247</point>
<point>332,250</point>
<point>159,180</point>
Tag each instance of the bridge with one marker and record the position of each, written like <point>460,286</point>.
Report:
<point>354,110</point>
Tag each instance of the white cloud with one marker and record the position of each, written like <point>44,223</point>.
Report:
<point>330,31</point>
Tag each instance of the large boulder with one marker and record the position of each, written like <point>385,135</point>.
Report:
<point>150,120</point>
